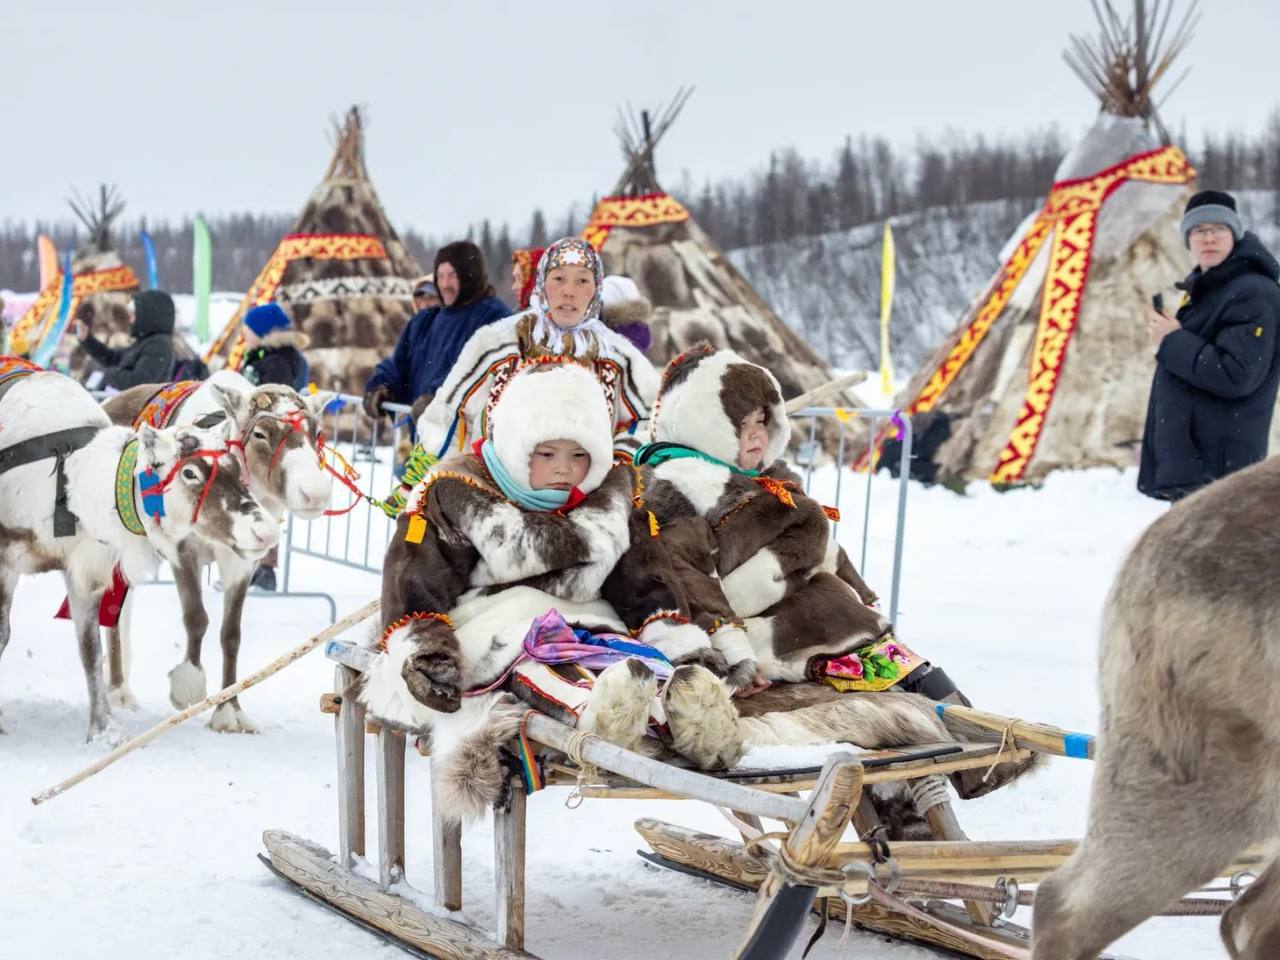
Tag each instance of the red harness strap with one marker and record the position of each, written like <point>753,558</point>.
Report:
<point>296,421</point>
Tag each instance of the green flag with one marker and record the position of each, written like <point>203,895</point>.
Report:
<point>201,277</point>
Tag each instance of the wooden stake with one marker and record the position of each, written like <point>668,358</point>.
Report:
<point>806,399</point>
<point>222,696</point>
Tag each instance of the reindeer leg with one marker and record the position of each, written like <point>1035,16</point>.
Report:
<point>8,580</point>
<point>1251,925</point>
<point>186,680</point>
<point>118,657</point>
<point>1148,842</point>
<point>84,614</point>
<point>235,574</point>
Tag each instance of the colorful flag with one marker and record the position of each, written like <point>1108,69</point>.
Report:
<point>47,254</point>
<point>43,353</point>
<point>153,279</point>
<point>201,277</point>
<point>887,274</point>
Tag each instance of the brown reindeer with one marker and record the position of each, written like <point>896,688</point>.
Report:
<point>1188,766</point>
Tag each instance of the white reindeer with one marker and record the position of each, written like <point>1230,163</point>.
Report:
<point>193,481</point>
<point>278,432</point>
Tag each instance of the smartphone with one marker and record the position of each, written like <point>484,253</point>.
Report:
<point>1157,301</point>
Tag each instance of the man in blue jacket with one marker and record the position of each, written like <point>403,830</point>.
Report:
<point>430,343</point>
<point>1218,362</point>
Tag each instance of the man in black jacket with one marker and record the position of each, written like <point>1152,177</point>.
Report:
<point>1217,364</point>
<point>149,359</point>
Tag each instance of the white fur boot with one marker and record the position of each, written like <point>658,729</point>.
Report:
<point>621,699</point>
<point>702,718</point>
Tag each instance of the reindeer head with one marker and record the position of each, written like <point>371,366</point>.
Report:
<point>279,433</point>
<point>190,481</point>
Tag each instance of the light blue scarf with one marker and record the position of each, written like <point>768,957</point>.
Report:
<point>526,497</point>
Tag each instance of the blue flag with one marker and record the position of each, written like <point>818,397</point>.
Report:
<point>153,280</point>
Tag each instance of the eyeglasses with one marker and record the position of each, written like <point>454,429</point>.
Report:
<point>1210,230</point>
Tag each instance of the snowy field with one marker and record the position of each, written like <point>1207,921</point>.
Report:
<point>156,857</point>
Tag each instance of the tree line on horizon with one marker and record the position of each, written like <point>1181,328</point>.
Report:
<point>868,180</point>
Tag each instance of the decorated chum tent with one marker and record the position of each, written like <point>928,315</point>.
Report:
<point>341,272</point>
<point>101,283</point>
<point>647,235</point>
<point>1050,366</point>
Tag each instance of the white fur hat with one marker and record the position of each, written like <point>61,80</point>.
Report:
<point>553,401</point>
<point>617,289</point>
<point>704,396</point>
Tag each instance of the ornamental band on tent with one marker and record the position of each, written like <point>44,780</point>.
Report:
<point>341,272</point>
<point>1050,366</point>
<point>646,234</point>
<point>100,287</point>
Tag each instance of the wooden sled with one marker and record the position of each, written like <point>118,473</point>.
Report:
<point>950,893</point>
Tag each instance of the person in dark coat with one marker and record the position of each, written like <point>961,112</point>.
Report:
<point>149,359</point>
<point>429,345</point>
<point>273,349</point>
<point>1217,364</point>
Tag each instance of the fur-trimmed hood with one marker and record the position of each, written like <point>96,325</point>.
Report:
<point>704,396</point>
<point>285,337</point>
<point>551,400</point>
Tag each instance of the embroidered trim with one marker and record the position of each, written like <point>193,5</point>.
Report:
<point>675,615</point>
<point>126,502</point>
<point>779,489</point>
<point>720,622</point>
<point>406,620</point>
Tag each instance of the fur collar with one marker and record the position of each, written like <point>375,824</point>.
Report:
<point>284,337</point>
<point>615,315</point>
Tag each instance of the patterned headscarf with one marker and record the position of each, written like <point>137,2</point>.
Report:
<point>585,337</point>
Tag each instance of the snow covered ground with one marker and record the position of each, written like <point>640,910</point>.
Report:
<point>155,857</point>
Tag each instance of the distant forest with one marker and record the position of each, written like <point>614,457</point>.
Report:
<point>791,196</point>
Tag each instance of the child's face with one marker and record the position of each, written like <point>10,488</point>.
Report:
<point>558,465</point>
<point>753,440</point>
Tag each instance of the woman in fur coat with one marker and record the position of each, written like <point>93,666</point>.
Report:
<point>564,319</point>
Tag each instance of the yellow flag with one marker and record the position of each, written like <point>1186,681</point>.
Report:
<point>48,260</point>
<point>887,272</point>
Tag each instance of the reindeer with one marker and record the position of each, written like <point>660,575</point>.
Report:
<point>1188,767</point>
<point>112,497</point>
<point>279,436</point>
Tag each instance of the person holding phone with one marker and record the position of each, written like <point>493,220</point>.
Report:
<point>1217,359</point>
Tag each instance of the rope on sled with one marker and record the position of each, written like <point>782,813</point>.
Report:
<point>928,792</point>
<point>1007,744</point>
<point>586,770</point>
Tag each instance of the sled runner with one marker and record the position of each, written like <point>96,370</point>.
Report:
<point>950,893</point>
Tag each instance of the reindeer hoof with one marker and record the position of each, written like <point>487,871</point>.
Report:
<point>433,679</point>
<point>621,699</point>
<point>122,697</point>
<point>186,685</point>
<point>702,718</point>
<point>105,731</point>
<point>229,718</point>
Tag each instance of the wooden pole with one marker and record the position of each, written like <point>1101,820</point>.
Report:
<point>222,696</point>
<point>808,398</point>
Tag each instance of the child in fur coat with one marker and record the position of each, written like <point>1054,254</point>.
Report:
<point>534,517</point>
<point>719,428</point>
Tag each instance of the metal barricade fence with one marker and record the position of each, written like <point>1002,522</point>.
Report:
<point>358,539</point>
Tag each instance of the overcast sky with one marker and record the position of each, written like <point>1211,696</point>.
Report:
<point>488,109</point>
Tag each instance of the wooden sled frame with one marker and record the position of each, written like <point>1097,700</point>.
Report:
<point>810,865</point>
